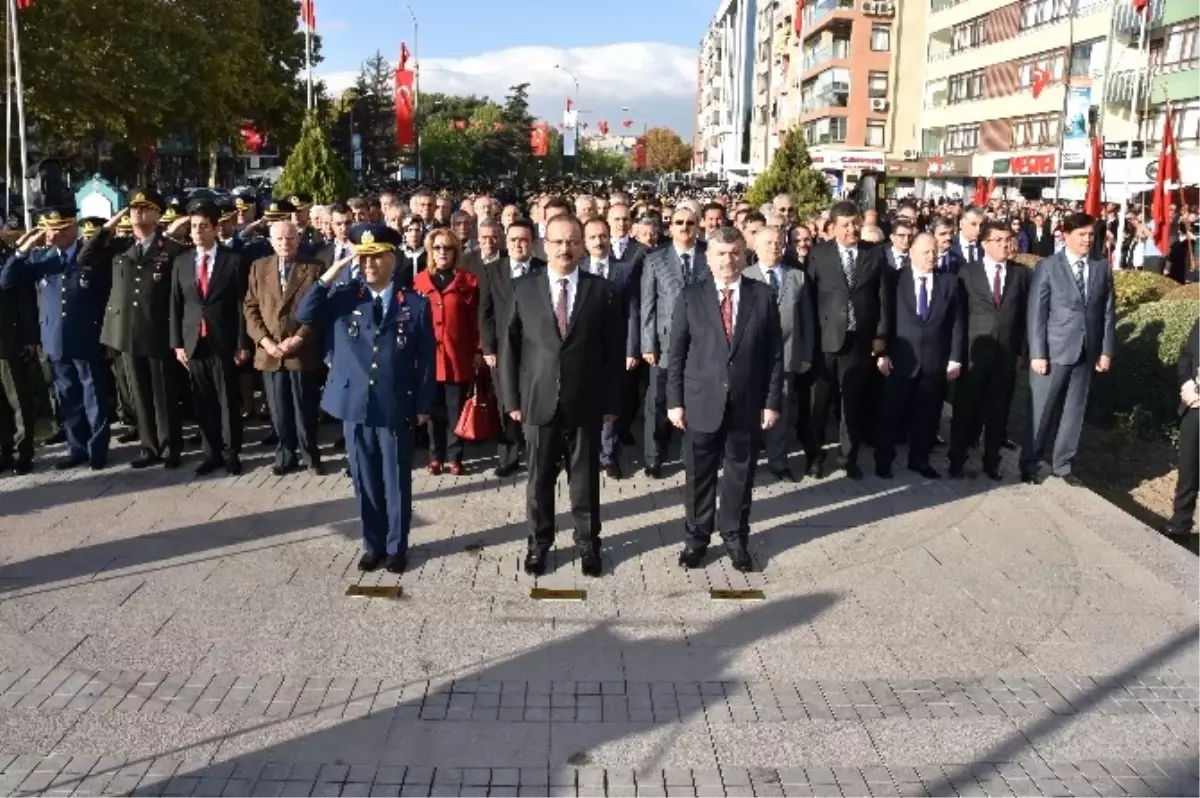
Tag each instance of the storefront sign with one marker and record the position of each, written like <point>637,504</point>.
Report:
<point>847,159</point>
<point>1115,150</point>
<point>935,167</point>
<point>1024,165</point>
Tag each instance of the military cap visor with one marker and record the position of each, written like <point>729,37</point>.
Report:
<point>301,202</point>
<point>56,218</point>
<point>146,198</point>
<point>373,239</point>
<point>279,209</point>
<point>90,225</point>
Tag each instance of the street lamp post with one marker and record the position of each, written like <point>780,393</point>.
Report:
<point>629,110</point>
<point>575,131</point>
<point>416,83</point>
<point>354,102</point>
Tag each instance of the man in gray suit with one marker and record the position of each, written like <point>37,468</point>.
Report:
<point>1072,328</point>
<point>666,272</point>
<point>790,290</point>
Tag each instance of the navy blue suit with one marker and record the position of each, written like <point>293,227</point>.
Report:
<point>955,258</point>
<point>380,378</point>
<point>628,285</point>
<point>72,301</point>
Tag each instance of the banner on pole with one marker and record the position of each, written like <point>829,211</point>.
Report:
<point>404,108</point>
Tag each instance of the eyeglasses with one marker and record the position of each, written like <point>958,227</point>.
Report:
<point>1001,240</point>
<point>683,223</point>
<point>559,242</point>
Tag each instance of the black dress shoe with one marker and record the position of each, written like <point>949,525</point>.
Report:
<point>1010,445</point>
<point>370,561</point>
<point>395,563</point>
<point>994,473</point>
<point>589,561</point>
<point>23,467</point>
<point>956,471</point>
<point>281,471</point>
<point>925,470</point>
<point>613,471</point>
<point>233,466</point>
<point>316,468</point>
<point>783,475</point>
<point>692,558</point>
<point>58,436</point>
<point>98,465</point>
<point>63,463</point>
<point>626,438</point>
<point>207,467</point>
<point>816,468</point>
<point>171,461</point>
<point>853,471</point>
<point>1070,479</point>
<point>1030,477</point>
<point>739,558</point>
<point>506,470</point>
<point>654,471</point>
<point>128,436</point>
<point>535,561</point>
<point>6,463</point>
<point>145,461</point>
<point>883,472</point>
<point>270,440</point>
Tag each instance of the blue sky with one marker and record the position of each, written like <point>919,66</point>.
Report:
<point>643,59</point>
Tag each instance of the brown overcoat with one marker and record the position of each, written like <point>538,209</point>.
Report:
<point>271,312</point>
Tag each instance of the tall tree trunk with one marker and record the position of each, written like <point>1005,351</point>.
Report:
<point>214,153</point>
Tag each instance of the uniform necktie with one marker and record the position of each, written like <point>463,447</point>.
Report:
<point>774,280</point>
<point>1079,278</point>
<point>727,313</point>
<point>687,268</point>
<point>138,251</point>
<point>923,299</point>
<point>996,285</point>
<point>560,308</point>
<point>848,270</point>
<point>377,311</point>
<point>202,284</point>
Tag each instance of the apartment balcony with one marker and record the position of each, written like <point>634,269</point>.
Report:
<point>822,12</point>
<point>1123,85</point>
<point>837,49</point>
<point>1129,21</point>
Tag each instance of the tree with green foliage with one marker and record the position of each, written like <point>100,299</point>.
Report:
<point>600,164</point>
<point>791,172</point>
<point>373,107</point>
<point>314,167</point>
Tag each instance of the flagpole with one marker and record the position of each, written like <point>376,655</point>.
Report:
<point>416,55</point>
<point>1142,69</point>
<point>308,55</point>
<point>16,52</point>
<point>7,111</point>
<point>1062,124</point>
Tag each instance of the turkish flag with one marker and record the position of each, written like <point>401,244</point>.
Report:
<point>24,4</point>
<point>603,127</point>
<point>798,20</point>
<point>1091,197</point>
<point>308,13</point>
<point>252,140</point>
<point>626,123</point>
<point>539,139</point>
<point>404,108</point>
<point>1168,172</point>
<point>1139,6</point>
<point>1041,79</point>
<point>404,56</point>
<point>639,153</point>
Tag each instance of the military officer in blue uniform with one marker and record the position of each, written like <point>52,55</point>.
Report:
<point>380,382</point>
<point>72,299</point>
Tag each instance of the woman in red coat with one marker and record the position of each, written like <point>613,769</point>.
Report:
<point>453,295</point>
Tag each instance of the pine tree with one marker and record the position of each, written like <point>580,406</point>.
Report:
<point>314,167</point>
<point>791,172</point>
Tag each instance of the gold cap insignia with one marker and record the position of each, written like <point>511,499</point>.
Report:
<point>54,216</point>
<point>296,201</point>
<point>240,204</point>
<point>89,228</point>
<point>139,197</point>
<point>367,239</point>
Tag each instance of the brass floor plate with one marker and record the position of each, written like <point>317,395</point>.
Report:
<point>737,595</point>
<point>375,591</point>
<point>551,594</point>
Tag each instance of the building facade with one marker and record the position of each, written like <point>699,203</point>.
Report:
<point>724,105</point>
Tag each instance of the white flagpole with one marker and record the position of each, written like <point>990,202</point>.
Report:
<point>308,26</point>
<point>16,49</point>
<point>1142,70</point>
<point>8,98</point>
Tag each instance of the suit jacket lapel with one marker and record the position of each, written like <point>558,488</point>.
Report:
<point>272,278</point>
<point>712,306</point>
<point>1010,268</point>
<point>581,294</point>
<point>221,269</point>
<point>297,275</point>
<point>905,286</point>
<point>745,311</point>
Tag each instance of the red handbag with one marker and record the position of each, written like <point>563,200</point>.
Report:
<point>480,416</point>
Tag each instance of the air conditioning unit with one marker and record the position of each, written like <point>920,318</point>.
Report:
<point>878,104</point>
<point>911,155</point>
<point>885,9</point>
<point>869,8</point>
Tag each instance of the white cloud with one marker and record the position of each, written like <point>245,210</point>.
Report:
<point>656,80</point>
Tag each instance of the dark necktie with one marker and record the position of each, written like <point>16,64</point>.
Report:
<point>727,313</point>
<point>923,299</point>
<point>905,261</point>
<point>377,311</point>
<point>996,285</point>
<point>560,309</point>
<point>941,267</point>
<point>1079,279</point>
<point>774,284</point>
<point>687,268</point>
<point>975,247</point>
<point>138,251</point>
<point>848,270</point>
<point>202,286</point>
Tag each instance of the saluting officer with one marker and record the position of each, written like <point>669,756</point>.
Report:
<point>380,381</point>
<point>72,298</point>
<point>136,322</point>
<point>310,237</point>
<point>19,337</point>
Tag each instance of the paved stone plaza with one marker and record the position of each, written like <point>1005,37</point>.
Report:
<point>161,634</point>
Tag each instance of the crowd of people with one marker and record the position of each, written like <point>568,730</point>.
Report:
<point>740,330</point>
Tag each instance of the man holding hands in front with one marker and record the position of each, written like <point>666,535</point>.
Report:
<point>724,388</point>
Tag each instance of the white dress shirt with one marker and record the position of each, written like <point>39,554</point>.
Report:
<point>691,253</point>
<point>212,258</point>
<point>990,267</point>
<point>917,277</point>
<point>842,255</point>
<point>735,298</point>
<point>965,247</point>
<point>518,269</point>
<point>777,270</point>
<point>599,267</point>
<point>898,258</point>
<point>1072,260</point>
<point>619,247</point>
<point>572,289</point>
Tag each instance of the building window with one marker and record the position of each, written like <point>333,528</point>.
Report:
<point>830,130</point>
<point>1043,12</point>
<point>1186,123</point>
<point>881,38</point>
<point>962,139</point>
<point>1038,130</point>
<point>875,134</point>
<point>966,87</point>
<point>1054,62</point>
<point>1081,58</point>
<point>1178,49</point>
<point>877,85</point>
<point>969,35</point>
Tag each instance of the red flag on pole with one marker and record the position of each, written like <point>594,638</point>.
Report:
<point>539,139</point>
<point>977,198</point>
<point>1041,79</point>
<point>626,123</point>
<point>404,105</point>
<point>1091,197</point>
<point>991,189</point>
<point>1140,6</point>
<point>798,20</point>
<point>404,56</point>
<point>24,4</point>
<point>603,127</point>
<point>308,13</point>
<point>639,153</point>
<point>1168,172</point>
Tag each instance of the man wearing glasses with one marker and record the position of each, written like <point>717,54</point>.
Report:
<point>903,232</point>
<point>666,273</point>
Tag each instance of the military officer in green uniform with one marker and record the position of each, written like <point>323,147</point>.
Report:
<point>136,320</point>
<point>310,238</point>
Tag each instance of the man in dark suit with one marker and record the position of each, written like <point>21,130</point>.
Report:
<point>848,279</point>
<point>628,249</point>
<point>666,272</point>
<point>924,350</point>
<point>601,262</point>
<point>1072,332</point>
<point>19,338</point>
<point>495,303</point>
<point>560,362</point>
<point>208,334</point>
<point>1188,481</point>
<point>995,296</point>
<point>1041,236</point>
<point>724,389</point>
<point>948,259</point>
<point>412,259</point>
<point>489,235</point>
<point>966,245</point>
<point>339,247</point>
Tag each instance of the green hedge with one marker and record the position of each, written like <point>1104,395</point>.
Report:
<point>1134,289</point>
<point>1139,397</point>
